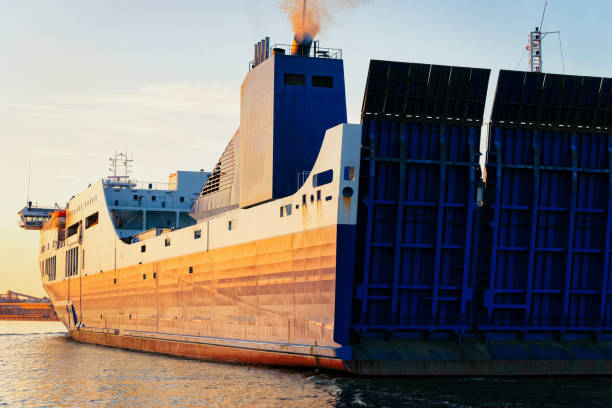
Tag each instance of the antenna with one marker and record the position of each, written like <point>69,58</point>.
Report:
<point>543,13</point>
<point>29,179</point>
<point>534,46</point>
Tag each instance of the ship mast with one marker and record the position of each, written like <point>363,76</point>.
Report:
<point>120,168</point>
<point>534,46</point>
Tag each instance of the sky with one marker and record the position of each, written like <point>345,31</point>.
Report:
<point>81,79</point>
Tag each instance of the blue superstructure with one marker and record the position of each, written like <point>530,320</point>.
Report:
<point>287,104</point>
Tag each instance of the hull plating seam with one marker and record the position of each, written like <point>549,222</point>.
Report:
<point>208,351</point>
<point>289,348</point>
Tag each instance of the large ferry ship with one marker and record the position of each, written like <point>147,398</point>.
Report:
<point>373,248</point>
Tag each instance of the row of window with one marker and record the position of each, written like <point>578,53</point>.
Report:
<point>153,198</point>
<point>285,210</point>
<point>49,268</point>
<point>321,179</point>
<point>319,81</point>
<point>90,221</point>
<point>197,234</point>
<point>85,204</point>
<point>144,275</point>
<point>72,262</point>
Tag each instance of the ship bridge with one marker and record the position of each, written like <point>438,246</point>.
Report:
<point>34,217</point>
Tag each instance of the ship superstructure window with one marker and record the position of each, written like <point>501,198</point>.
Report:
<point>197,234</point>
<point>167,242</point>
<point>185,220</point>
<point>153,198</point>
<point>182,199</point>
<point>288,209</point>
<point>322,81</point>
<point>143,248</point>
<point>91,220</point>
<point>135,197</point>
<point>322,178</point>
<point>49,268</point>
<point>127,219</point>
<point>160,219</point>
<point>73,229</point>
<point>295,79</point>
<point>72,262</point>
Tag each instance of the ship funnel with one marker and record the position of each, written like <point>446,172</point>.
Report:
<point>301,45</point>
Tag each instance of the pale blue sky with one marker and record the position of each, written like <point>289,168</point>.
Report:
<point>80,79</point>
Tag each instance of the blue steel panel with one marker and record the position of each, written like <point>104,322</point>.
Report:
<point>549,265</point>
<point>414,269</point>
<point>415,228</point>
<point>549,188</point>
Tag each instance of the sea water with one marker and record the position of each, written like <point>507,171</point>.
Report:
<point>40,366</point>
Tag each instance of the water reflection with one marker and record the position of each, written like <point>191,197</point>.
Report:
<point>52,370</point>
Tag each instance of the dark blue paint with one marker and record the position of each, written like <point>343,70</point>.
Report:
<point>302,114</point>
<point>345,272</point>
<point>549,258</point>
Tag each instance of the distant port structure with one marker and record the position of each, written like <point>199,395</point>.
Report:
<point>18,306</point>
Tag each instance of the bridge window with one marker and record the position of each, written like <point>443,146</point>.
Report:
<point>322,178</point>
<point>91,220</point>
<point>322,81</point>
<point>295,79</point>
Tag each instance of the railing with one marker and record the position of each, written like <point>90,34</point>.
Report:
<point>315,52</point>
<point>137,184</point>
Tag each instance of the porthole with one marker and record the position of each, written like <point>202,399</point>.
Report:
<point>347,192</point>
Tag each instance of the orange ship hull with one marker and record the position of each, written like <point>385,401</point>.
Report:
<point>270,302</point>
